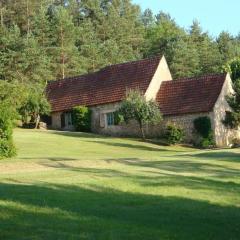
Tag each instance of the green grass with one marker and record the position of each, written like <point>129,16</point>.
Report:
<point>81,186</point>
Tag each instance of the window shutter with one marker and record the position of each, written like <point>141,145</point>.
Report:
<point>102,120</point>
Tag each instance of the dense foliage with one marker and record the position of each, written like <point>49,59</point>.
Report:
<point>136,107</point>
<point>35,104</point>
<point>50,39</point>
<point>204,132</point>
<point>10,99</point>
<point>7,148</point>
<point>232,118</point>
<point>82,119</point>
<point>173,134</point>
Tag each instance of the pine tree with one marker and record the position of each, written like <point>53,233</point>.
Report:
<point>65,55</point>
<point>160,38</point>
<point>229,46</point>
<point>209,56</point>
<point>21,58</point>
<point>114,32</point>
<point>185,61</point>
<point>148,18</point>
<point>21,13</point>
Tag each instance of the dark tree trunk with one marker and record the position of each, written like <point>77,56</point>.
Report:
<point>37,121</point>
<point>142,131</point>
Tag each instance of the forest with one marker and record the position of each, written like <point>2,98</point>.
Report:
<point>53,39</point>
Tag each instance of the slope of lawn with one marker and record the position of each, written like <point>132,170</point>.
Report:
<point>82,186</point>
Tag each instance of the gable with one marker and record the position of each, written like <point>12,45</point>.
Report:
<point>162,74</point>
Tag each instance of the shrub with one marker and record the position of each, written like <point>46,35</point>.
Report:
<point>82,118</point>
<point>236,142</point>
<point>174,134</point>
<point>203,128</point>
<point>118,118</point>
<point>7,148</point>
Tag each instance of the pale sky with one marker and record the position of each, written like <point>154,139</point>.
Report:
<point>214,15</point>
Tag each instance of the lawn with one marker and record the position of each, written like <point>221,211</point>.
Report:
<point>82,186</point>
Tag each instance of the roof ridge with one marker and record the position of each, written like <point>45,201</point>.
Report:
<point>131,62</point>
<point>72,78</point>
<point>205,76</point>
<point>105,68</point>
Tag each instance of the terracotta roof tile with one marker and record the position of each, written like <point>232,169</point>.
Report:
<point>105,86</point>
<point>192,95</point>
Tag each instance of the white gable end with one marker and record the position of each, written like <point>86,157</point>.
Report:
<point>162,74</point>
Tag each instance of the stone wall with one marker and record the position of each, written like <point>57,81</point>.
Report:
<point>56,120</point>
<point>99,124</point>
<point>186,123</point>
<point>223,135</point>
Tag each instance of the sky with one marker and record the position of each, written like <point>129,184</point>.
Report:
<point>214,15</point>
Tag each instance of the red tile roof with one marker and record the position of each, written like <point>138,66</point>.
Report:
<point>105,86</point>
<point>192,95</point>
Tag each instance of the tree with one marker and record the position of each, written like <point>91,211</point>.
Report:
<point>209,56</point>
<point>232,118</point>
<point>35,105</point>
<point>185,61</point>
<point>10,100</point>
<point>160,38</point>
<point>65,55</point>
<point>21,58</point>
<point>233,68</point>
<point>111,32</point>
<point>148,18</point>
<point>229,46</point>
<point>136,107</point>
<point>164,38</point>
<point>21,13</point>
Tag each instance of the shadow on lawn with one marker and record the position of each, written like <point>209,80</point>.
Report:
<point>97,139</point>
<point>77,134</point>
<point>219,155</point>
<point>128,145</point>
<point>180,166</point>
<point>164,173</point>
<point>68,212</point>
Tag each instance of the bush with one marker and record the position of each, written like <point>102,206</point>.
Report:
<point>118,118</point>
<point>236,143</point>
<point>174,134</point>
<point>203,128</point>
<point>7,148</point>
<point>82,119</point>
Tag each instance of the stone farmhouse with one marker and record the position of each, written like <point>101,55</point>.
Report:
<point>180,101</point>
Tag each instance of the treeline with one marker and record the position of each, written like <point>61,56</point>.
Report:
<point>43,40</point>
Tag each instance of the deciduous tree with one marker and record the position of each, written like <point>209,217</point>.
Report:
<point>136,107</point>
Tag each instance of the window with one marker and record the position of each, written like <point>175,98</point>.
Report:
<point>110,119</point>
<point>68,119</point>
